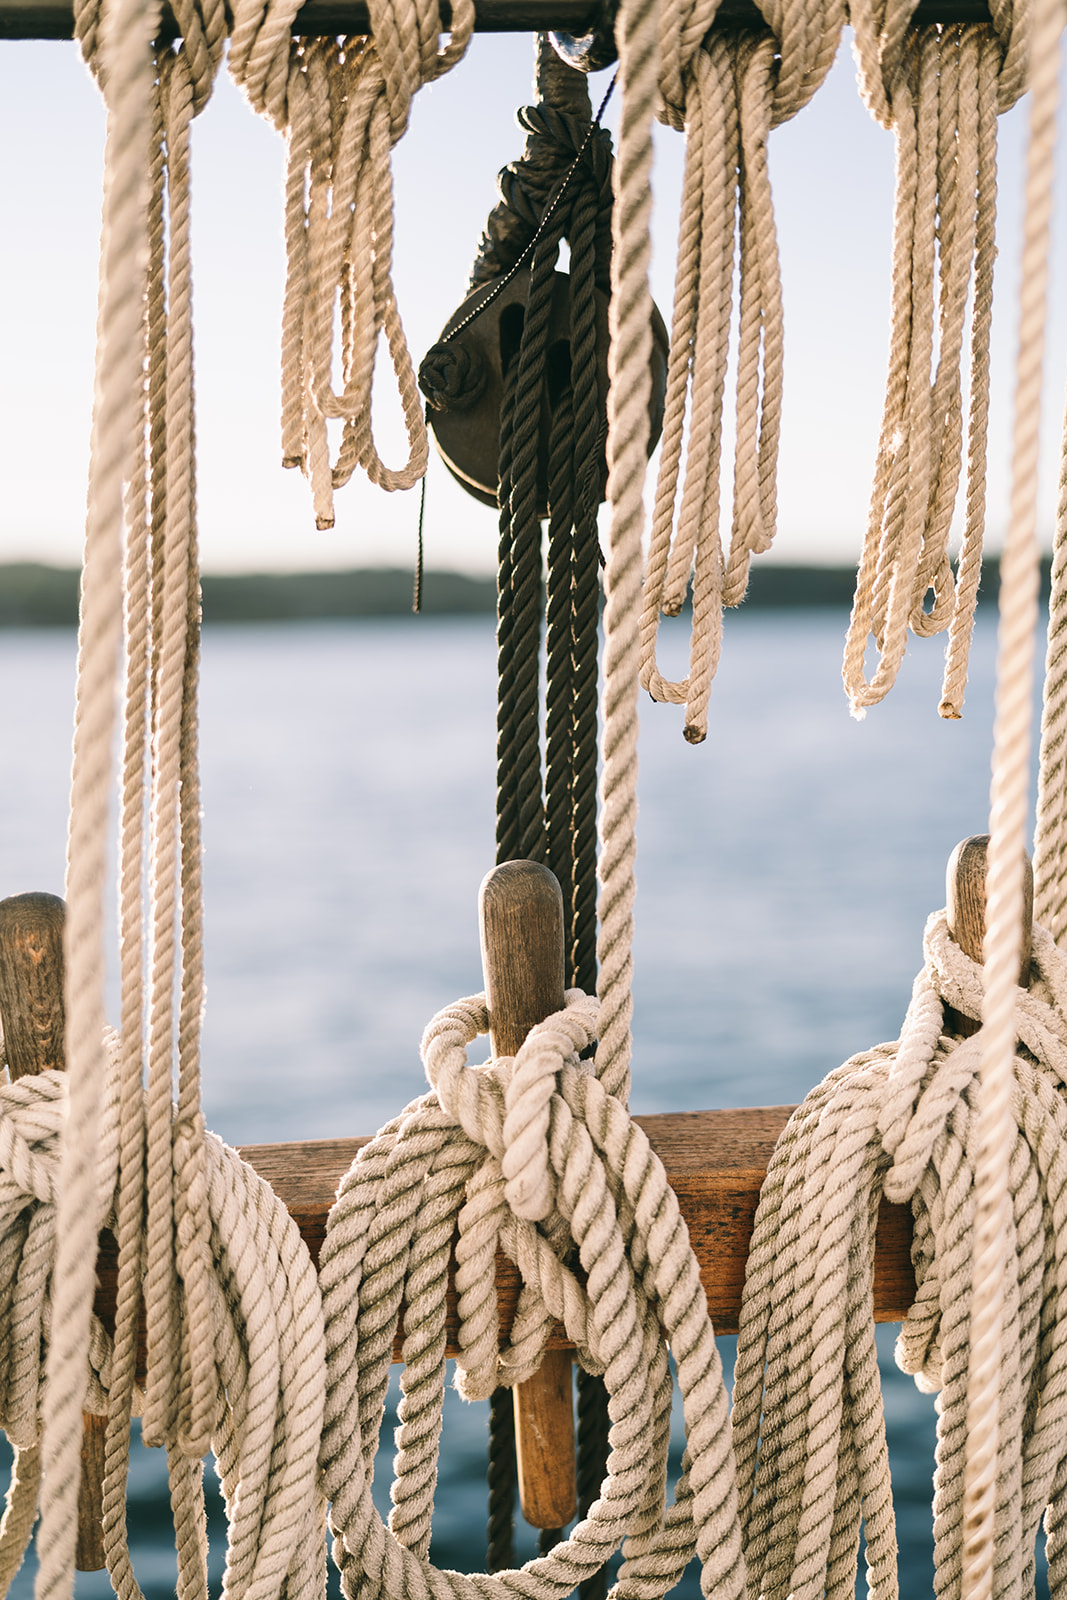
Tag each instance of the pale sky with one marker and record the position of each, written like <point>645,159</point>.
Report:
<point>832,174</point>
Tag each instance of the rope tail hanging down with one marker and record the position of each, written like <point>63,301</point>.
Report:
<point>727,89</point>
<point>940,89</point>
<point>964,1118</point>
<point>235,1352</point>
<point>343,103</point>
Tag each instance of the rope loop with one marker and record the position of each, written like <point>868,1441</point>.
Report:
<point>940,89</point>
<point>596,1235</point>
<point>727,92</point>
<point>343,104</point>
<point>900,1122</point>
<point>264,1320</point>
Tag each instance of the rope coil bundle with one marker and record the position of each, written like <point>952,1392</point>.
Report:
<point>269,1375</point>
<point>526,1155</point>
<point>902,1121</point>
<point>941,91</point>
<point>343,104</point>
<point>727,92</point>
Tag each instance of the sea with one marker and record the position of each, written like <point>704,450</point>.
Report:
<point>785,870</point>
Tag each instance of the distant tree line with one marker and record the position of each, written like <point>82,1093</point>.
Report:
<point>33,595</point>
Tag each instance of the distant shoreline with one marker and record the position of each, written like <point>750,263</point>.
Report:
<point>33,595</point>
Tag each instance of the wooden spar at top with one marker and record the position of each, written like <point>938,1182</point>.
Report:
<point>32,1015</point>
<point>54,19</point>
<point>520,915</point>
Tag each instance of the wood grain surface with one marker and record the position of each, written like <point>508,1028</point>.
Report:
<point>965,913</point>
<point>34,1023</point>
<point>520,919</point>
<point>715,1161</point>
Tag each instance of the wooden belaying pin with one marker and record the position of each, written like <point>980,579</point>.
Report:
<point>965,906</point>
<point>520,911</point>
<point>32,1016</point>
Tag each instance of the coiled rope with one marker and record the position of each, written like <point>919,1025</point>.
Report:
<point>265,1315</point>
<point>527,1155</point>
<point>903,1120</point>
<point>343,104</point>
<point>940,89</point>
<point>727,90</point>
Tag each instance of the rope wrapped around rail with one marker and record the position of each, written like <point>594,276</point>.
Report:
<point>901,1121</point>
<point>268,1376</point>
<point>530,1155</point>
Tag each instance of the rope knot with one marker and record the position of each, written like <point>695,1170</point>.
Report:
<point>529,1188</point>
<point>452,376</point>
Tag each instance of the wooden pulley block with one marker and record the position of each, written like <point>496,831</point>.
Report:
<point>463,378</point>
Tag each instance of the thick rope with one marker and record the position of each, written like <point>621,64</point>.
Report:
<point>727,91</point>
<point>940,90</point>
<point>901,1121</point>
<point>235,1353</point>
<point>989,1433</point>
<point>531,1156</point>
<point>126,62</point>
<point>343,104</point>
<point>265,1318</point>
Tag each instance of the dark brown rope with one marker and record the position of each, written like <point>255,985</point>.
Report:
<point>560,189</point>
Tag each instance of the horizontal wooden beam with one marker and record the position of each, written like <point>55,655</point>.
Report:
<point>54,19</point>
<point>715,1160</point>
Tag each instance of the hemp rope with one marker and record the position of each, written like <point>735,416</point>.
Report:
<point>125,31</point>
<point>902,1120</point>
<point>232,1307</point>
<point>970,1134</point>
<point>940,90</point>
<point>988,1434</point>
<point>266,1317</point>
<point>524,1155</point>
<point>343,104</point>
<point>727,91</point>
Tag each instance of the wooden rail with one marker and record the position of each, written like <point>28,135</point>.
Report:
<point>715,1161</point>
<point>54,19</point>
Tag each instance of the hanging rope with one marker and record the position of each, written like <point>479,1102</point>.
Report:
<point>727,90</point>
<point>343,104</point>
<point>125,58</point>
<point>968,1132</point>
<point>235,1358</point>
<point>940,90</point>
<point>902,1120</point>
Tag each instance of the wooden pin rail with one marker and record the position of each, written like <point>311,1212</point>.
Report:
<point>54,19</point>
<point>715,1160</point>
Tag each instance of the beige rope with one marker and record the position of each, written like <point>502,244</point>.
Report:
<point>989,1433</point>
<point>344,104</point>
<point>532,1156</point>
<point>126,61</point>
<point>901,1121</point>
<point>940,90</point>
<point>235,1343</point>
<point>265,1317</point>
<point>727,92</point>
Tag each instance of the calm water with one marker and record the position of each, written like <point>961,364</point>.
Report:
<point>785,869</point>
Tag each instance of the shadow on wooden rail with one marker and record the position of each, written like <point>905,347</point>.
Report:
<point>715,1161</point>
